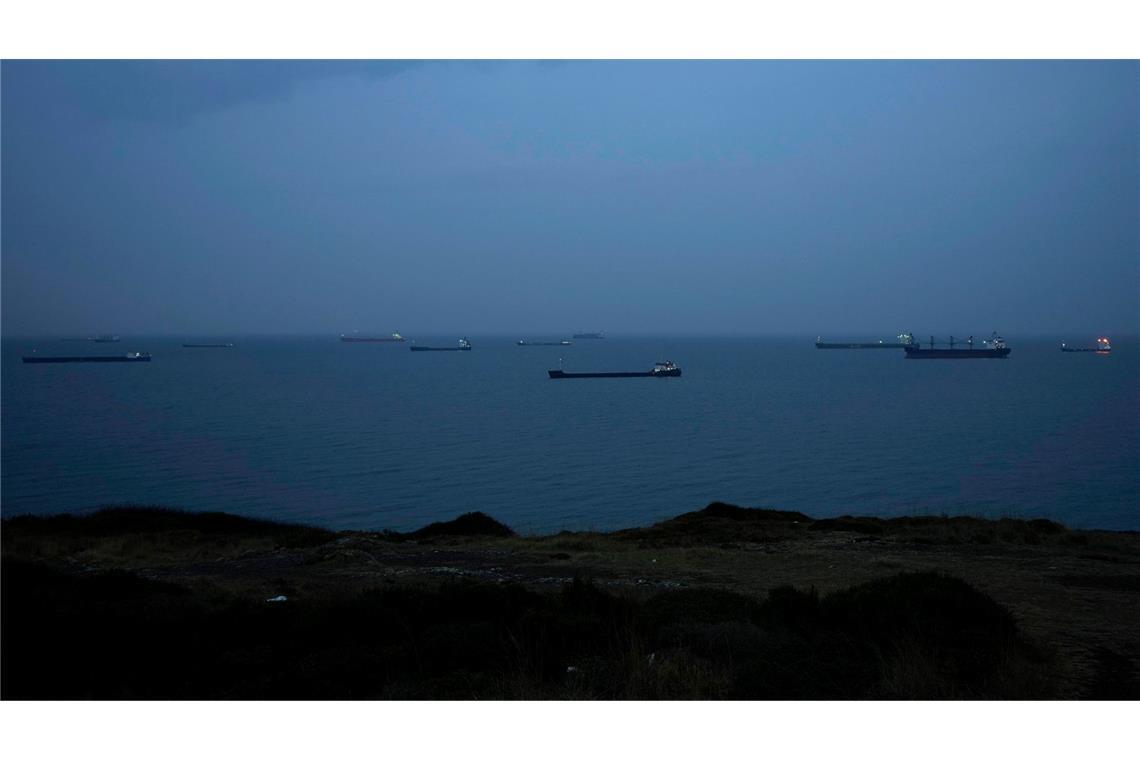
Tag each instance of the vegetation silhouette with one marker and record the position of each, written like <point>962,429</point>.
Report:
<point>119,636</point>
<point>149,603</point>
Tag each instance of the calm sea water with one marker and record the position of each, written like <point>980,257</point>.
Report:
<point>374,436</point>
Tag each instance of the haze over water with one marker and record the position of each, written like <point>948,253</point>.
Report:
<point>375,436</point>
<point>683,197</point>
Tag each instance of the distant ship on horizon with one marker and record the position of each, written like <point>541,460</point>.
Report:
<point>660,369</point>
<point>994,348</point>
<point>137,356</point>
<point>902,341</point>
<point>464,345</point>
<point>95,339</point>
<point>354,338</point>
<point>1102,347</point>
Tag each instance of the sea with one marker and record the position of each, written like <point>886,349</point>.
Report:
<point>373,436</point>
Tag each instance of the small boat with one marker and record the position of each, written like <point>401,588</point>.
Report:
<point>464,345</point>
<point>1102,347</point>
<point>660,369</point>
<point>134,357</point>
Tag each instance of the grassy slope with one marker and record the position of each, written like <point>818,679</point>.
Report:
<point>725,602</point>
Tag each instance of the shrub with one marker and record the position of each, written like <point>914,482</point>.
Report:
<point>470,524</point>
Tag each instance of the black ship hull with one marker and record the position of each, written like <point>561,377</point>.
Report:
<point>85,359</point>
<point>818,344</point>
<point>557,374</point>
<point>915,352</point>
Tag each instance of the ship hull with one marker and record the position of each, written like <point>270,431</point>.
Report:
<point>914,352</point>
<point>84,359</point>
<point>557,374</point>
<point>860,345</point>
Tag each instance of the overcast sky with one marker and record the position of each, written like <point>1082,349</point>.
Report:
<point>531,198</point>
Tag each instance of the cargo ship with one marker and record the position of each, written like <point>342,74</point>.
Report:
<point>354,338</point>
<point>901,342</point>
<point>543,343</point>
<point>994,348</point>
<point>588,336</point>
<point>660,369</point>
<point>1102,347</point>
<point>464,345</point>
<point>207,345</point>
<point>135,357</point>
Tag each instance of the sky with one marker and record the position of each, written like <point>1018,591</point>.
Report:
<point>541,198</point>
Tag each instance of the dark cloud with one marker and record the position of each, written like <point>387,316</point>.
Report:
<point>167,91</point>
